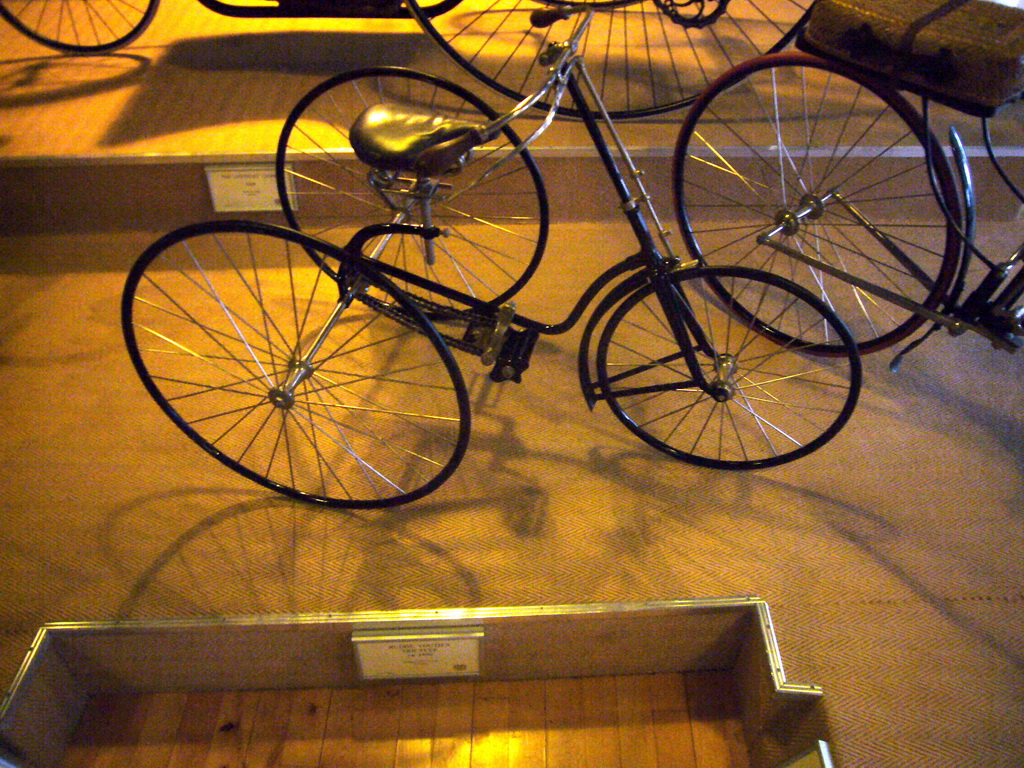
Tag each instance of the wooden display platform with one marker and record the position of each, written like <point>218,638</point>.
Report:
<point>664,720</point>
<point>682,683</point>
<point>122,141</point>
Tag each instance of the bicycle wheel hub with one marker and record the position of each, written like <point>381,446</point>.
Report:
<point>722,388</point>
<point>281,398</point>
<point>811,207</point>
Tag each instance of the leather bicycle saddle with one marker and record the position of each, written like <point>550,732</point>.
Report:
<point>392,139</point>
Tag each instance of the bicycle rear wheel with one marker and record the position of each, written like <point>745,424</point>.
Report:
<point>80,26</point>
<point>767,403</point>
<point>222,321</point>
<point>645,57</point>
<point>493,212</point>
<point>782,131</point>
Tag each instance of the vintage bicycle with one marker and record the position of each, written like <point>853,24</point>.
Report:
<point>815,165</point>
<point>646,56</point>
<point>325,370</point>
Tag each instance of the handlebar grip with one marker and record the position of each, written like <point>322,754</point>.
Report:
<point>545,17</point>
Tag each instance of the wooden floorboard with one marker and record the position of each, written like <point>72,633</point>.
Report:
<point>682,720</point>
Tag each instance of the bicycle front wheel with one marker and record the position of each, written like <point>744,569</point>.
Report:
<point>789,132</point>
<point>493,211</point>
<point>734,395</point>
<point>645,57</point>
<point>80,26</point>
<point>275,357</point>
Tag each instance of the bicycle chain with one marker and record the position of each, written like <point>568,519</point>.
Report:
<point>693,13</point>
<point>435,313</point>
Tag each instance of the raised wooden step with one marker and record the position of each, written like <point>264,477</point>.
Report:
<point>677,683</point>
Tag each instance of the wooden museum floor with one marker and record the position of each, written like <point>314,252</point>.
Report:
<point>891,559</point>
<point>657,721</point>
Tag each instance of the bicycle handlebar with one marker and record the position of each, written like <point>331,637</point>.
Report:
<point>556,69</point>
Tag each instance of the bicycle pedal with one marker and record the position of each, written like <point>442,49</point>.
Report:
<point>493,342</point>
<point>514,357</point>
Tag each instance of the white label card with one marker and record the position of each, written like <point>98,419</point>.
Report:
<point>397,654</point>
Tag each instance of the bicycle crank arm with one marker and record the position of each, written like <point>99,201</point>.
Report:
<point>495,338</point>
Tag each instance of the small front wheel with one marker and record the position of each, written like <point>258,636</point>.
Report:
<point>295,367</point>
<point>739,392</point>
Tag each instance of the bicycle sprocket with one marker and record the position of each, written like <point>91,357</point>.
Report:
<point>695,14</point>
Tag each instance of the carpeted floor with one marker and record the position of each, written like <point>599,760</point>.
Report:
<point>891,559</point>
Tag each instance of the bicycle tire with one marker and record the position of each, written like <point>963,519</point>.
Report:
<point>642,62</point>
<point>789,127</point>
<point>771,403</point>
<point>218,317</point>
<point>84,27</point>
<point>494,219</point>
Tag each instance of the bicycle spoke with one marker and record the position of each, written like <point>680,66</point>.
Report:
<point>492,212</point>
<point>748,394</point>
<point>790,131</point>
<point>249,351</point>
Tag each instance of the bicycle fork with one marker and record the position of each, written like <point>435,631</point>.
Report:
<point>351,284</point>
<point>1000,319</point>
<point>301,367</point>
<point>693,341</point>
<point>656,252</point>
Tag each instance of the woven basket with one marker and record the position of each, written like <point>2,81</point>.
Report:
<point>966,53</point>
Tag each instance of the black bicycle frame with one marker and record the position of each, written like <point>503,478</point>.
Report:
<point>647,266</point>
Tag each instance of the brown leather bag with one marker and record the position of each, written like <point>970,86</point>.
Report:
<point>965,53</point>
